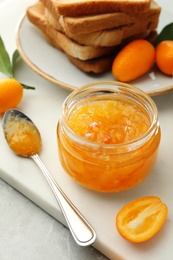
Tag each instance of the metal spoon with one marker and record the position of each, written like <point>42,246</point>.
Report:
<point>20,131</point>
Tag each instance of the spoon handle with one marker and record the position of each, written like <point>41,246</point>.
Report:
<point>81,230</point>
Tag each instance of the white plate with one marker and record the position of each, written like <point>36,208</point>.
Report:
<point>54,66</point>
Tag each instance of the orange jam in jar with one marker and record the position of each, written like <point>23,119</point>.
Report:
<point>108,136</point>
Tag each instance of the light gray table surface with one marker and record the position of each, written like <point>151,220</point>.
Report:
<point>29,233</point>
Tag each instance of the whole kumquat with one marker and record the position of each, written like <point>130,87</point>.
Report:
<point>11,93</point>
<point>141,219</point>
<point>134,60</point>
<point>164,57</point>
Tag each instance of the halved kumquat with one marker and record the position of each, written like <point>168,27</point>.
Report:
<point>141,219</point>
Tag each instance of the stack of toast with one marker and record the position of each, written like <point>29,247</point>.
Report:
<point>92,32</point>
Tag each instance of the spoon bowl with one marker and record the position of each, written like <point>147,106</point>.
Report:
<point>24,139</point>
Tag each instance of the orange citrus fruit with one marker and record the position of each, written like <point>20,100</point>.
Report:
<point>134,60</point>
<point>141,219</point>
<point>164,57</point>
<point>11,93</point>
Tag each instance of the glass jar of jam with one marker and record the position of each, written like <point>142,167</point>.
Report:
<point>108,136</point>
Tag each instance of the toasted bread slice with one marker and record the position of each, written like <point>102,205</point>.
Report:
<point>107,37</point>
<point>61,41</point>
<point>76,8</point>
<point>98,65</point>
<point>88,24</point>
<point>103,64</point>
<point>50,18</point>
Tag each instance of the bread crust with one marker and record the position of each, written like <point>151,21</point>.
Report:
<point>107,37</point>
<point>76,8</point>
<point>92,23</point>
<point>60,40</point>
<point>98,65</point>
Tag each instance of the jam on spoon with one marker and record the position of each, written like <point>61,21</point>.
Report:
<point>24,139</point>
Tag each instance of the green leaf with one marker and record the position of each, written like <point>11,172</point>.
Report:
<point>5,64</point>
<point>6,67</point>
<point>15,58</point>
<point>165,34</point>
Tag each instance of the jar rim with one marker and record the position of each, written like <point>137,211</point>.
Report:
<point>128,89</point>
